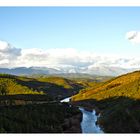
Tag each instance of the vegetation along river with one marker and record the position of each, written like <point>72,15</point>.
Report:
<point>89,120</point>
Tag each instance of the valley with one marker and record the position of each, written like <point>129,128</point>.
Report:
<point>70,69</point>
<point>34,104</point>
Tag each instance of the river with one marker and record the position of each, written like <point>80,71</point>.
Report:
<point>89,120</point>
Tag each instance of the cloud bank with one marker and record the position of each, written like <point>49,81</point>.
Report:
<point>11,57</point>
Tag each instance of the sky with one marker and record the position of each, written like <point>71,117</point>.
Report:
<point>81,31</point>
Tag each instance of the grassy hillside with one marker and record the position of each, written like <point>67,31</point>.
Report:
<point>127,85</point>
<point>72,80</point>
<point>68,84</point>
<point>117,100</point>
<point>55,87</point>
<point>31,105</point>
<point>10,85</point>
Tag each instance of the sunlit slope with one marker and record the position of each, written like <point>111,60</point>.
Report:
<point>127,85</point>
<point>56,87</point>
<point>58,81</point>
<point>10,85</point>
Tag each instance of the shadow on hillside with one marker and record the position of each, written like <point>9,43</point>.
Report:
<point>117,115</point>
<point>55,91</point>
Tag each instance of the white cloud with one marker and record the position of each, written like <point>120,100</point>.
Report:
<point>60,58</point>
<point>8,54</point>
<point>133,37</point>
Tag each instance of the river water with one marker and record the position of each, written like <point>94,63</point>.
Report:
<point>89,120</point>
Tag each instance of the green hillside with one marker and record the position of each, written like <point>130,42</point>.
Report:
<point>68,84</point>
<point>9,85</point>
<point>117,101</point>
<point>55,87</point>
<point>31,105</point>
<point>127,85</point>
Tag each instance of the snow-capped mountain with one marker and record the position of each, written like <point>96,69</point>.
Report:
<point>102,70</point>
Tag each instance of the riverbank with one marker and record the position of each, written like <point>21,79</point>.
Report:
<point>89,106</point>
<point>117,115</point>
<point>89,116</point>
<point>73,124</point>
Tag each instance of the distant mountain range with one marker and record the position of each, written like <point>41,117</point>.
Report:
<point>102,71</point>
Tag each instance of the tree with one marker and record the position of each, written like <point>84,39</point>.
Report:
<point>3,89</point>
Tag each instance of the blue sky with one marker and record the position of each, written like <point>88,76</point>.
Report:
<point>97,29</point>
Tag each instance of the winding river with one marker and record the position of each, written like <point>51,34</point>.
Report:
<point>89,120</point>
